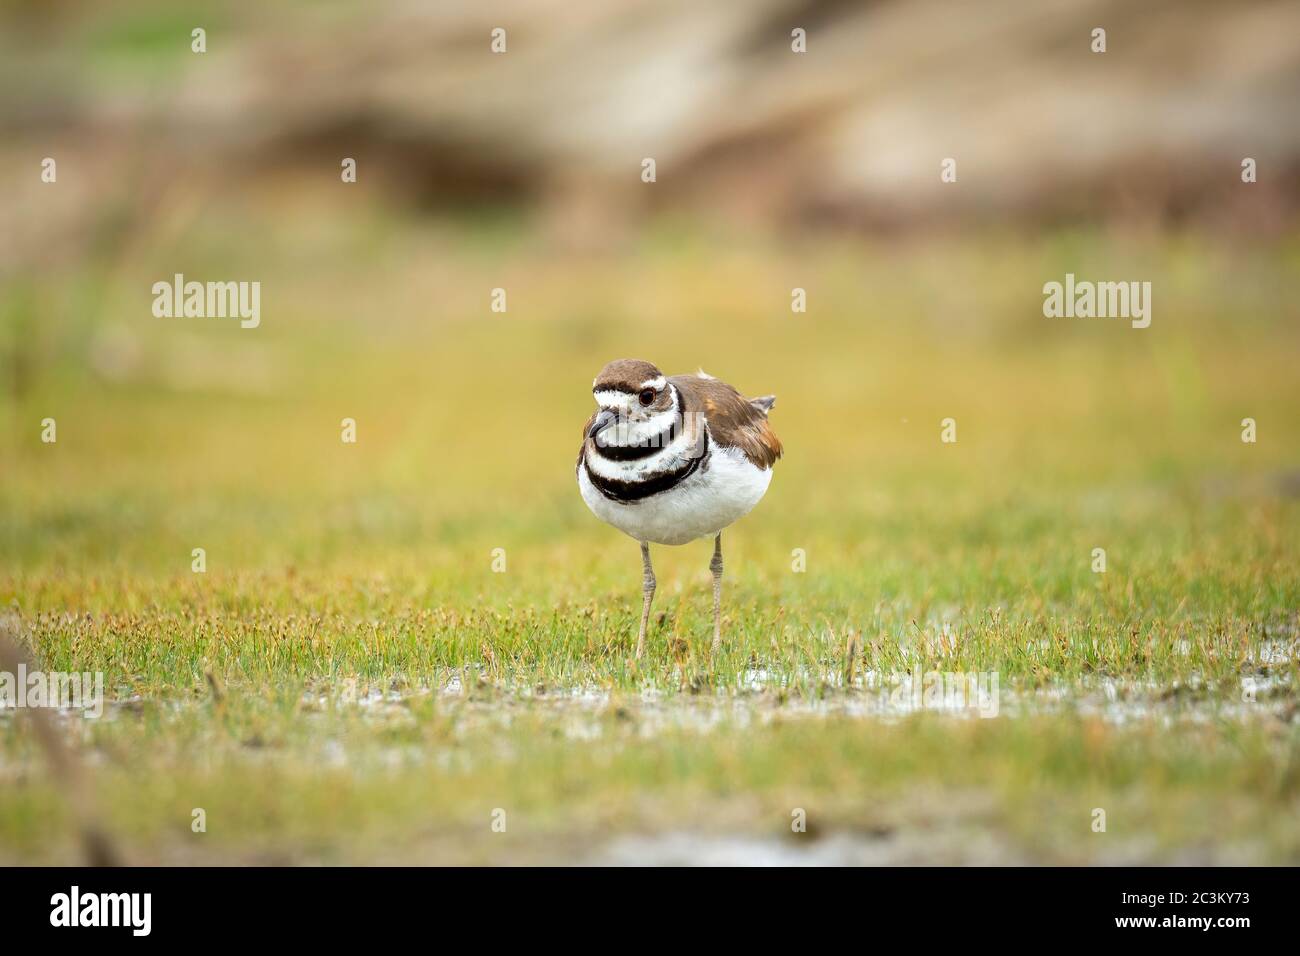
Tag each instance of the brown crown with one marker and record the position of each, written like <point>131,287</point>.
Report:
<point>625,375</point>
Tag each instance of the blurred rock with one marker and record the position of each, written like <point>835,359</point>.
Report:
<point>852,132</point>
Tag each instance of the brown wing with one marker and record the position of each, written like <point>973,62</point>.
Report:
<point>734,422</point>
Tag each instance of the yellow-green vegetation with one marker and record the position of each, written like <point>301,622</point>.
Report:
<point>351,680</point>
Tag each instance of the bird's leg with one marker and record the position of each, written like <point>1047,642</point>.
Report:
<point>716,567</point>
<point>647,595</point>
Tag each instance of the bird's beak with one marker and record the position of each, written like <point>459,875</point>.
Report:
<point>606,417</point>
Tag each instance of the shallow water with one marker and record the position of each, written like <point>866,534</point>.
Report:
<point>590,713</point>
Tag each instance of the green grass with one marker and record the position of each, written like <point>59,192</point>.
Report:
<point>334,568</point>
<point>422,783</point>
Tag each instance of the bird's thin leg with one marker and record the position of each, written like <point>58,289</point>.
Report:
<point>647,595</point>
<point>716,567</point>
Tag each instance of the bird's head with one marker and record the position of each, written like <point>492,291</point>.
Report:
<point>629,391</point>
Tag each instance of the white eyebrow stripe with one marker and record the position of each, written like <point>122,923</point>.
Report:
<point>610,398</point>
<point>655,383</point>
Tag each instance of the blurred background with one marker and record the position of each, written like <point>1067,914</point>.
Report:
<point>847,135</point>
<point>522,171</point>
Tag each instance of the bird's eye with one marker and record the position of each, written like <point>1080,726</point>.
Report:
<point>647,396</point>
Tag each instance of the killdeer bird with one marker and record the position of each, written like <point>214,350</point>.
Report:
<point>671,459</point>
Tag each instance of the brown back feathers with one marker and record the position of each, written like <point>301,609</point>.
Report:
<point>734,421</point>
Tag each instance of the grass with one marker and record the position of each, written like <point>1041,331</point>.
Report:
<point>350,680</point>
<point>422,784</point>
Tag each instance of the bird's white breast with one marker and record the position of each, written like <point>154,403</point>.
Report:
<point>702,504</point>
